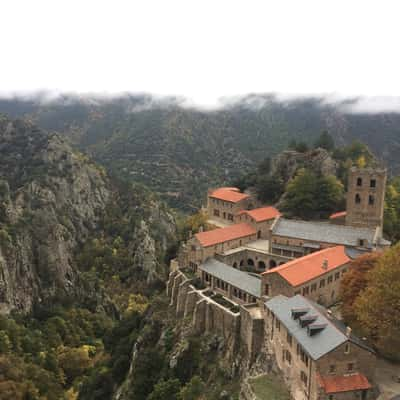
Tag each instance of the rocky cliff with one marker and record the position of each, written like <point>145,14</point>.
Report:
<point>51,200</point>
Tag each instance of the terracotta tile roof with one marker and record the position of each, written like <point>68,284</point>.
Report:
<point>304,269</point>
<point>230,194</point>
<point>347,383</point>
<point>263,213</point>
<point>340,214</point>
<point>222,235</point>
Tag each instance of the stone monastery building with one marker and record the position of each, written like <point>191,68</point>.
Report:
<point>281,274</point>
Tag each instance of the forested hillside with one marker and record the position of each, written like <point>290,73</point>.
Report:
<point>80,256</point>
<point>179,152</point>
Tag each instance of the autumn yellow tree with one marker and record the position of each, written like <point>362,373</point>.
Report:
<point>378,306</point>
<point>354,282</point>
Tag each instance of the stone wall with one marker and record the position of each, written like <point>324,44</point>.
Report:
<point>243,330</point>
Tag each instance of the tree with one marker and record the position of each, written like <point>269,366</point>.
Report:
<point>269,189</point>
<point>391,224</point>
<point>354,282</point>
<point>308,195</point>
<point>193,389</point>
<point>378,306</point>
<point>325,141</point>
<point>166,390</point>
<point>5,344</point>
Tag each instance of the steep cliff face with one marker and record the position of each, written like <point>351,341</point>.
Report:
<point>51,200</point>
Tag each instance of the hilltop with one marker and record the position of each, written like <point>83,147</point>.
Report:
<point>179,152</point>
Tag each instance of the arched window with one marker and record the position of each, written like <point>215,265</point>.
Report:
<point>261,265</point>
<point>234,265</point>
<point>272,263</point>
<point>371,200</point>
<point>358,199</point>
<point>250,262</point>
<point>359,181</point>
<point>241,263</point>
<point>259,235</point>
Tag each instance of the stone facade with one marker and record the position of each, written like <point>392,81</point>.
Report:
<point>366,197</point>
<point>324,289</point>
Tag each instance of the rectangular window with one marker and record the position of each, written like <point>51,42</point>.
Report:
<point>337,276</point>
<point>278,324</point>
<point>350,367</point>
<point>330,279</point>
<point>266,289</point>
<point>372,183</point>
<point>303,377</point>
<point>313,287</point>
<point>305,290</point>
<point>289,338</point>
<point>347,348</point>
<point>332,368</point>
<point>288,357</point>
<point>216,213</point>
<point>322,283</point>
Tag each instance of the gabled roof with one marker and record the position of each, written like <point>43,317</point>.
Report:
<point>241,280</point>
<point>221,235</point>
<point>347,383</point>
<point>323,232</point>
<point>329,338</point>
<point>230,194</point>
<point>340,214</point>
<point>262,214</point>
<point>311,266</point>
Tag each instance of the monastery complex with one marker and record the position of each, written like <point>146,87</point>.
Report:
<point>279,277</point>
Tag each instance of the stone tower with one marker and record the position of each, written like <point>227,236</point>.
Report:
<point>366,197</point>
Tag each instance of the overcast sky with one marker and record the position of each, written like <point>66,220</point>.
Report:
<point>201,49</point>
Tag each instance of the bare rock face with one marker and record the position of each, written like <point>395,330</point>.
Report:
<point>288,162</point>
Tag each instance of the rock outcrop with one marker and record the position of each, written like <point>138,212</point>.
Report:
<point>51,200</point>
<point>288,162</point>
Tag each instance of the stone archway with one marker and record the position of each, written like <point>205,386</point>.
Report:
<point>262,266</point>
<point>235,265</point>
<point>272,263</point>
<point>250,262</point>
<point>241,263</point>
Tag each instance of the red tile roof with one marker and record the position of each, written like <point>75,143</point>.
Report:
<point>230,194</point>
<point>347,383</point>
<point>222,235</point>
<point>304,269</point>
<point>263,213</point>
<point>340,214</point>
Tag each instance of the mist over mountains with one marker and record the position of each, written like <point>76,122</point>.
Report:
<point>179,150</point>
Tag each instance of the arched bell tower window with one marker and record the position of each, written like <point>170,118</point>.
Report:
<point>358,199</point>
<point>371,200</point>
<point>359,181</point>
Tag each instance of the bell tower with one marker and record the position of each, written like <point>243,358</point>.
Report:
<point>366,197</point>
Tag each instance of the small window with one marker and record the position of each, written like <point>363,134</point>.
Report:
<point>331,397</point>
<point>266,289</point>
<point>303,377</point>
<point>332,368</point>
<point>347,349</point>
<point>371,200</point>
<point>322,283</point>
<point>313,287</point>
<point>358,199</point>
<point>330,279</point>
<point>372,183</point>
<point>337,276</point>
<point>361,242</point>
<point>288,357</point>
<point>289,338</point>
<point>305,290</point>
<point>359,181</point>
<point>350,367</point>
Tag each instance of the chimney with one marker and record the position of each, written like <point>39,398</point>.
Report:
<point>348,331</point>
<point>325,264</point>
<point>201,228</point>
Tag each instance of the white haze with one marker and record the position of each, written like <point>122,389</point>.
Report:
<point>206,52</point>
